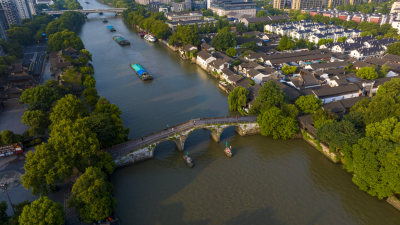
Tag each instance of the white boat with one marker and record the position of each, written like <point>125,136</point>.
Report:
<point>149,37</point>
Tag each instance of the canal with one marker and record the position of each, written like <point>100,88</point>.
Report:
<point>266,182</point>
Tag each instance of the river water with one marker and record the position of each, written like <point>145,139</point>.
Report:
<point>266,182</point>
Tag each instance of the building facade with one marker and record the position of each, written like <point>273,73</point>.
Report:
<point>23,9</point>
<point>279,4</point>
<point>239,7</point>
<point>10,12</point>
<point>309,4</point>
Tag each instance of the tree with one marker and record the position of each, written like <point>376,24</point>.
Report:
<point>106,122</point>
<point>75,143</point>
<point>367,73</point>
<point>251,45</point>
<point>241,28</point>
<point>68,108</point>
<point>238,98</point>
<point>388,130</point>
<point>160,29</point>
<point>8,137</point>
<point>91,196</point>
<point>3,213</point>
<point>41,97</point>
<point>223,40</point>
<point>274,123</point>
<point>289,69</point>
<point>37,120</point>
<point>338,134</point>
<point>394,48</point>
<point>89,81</point>
<point>231,52</point>
<point>384,70</point>
<point>90,96</point>
<point>391,88</point>
<point>268,96</point>
<point>285,43</point>
<point>374,169</point>
<point>64,39</point>
<point>261,13</point>
<point>308,103</point>
<point>321,117</point>
<point>42,211</point>
<point>341,39</point>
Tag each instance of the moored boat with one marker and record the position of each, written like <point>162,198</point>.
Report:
<point>142,73</point>
<point>111,28</point>
<point>188,160</point>
<point>228,150</point>
<point>121,40</point>
<point>150,38</point>
<point>142,34</point>
<point>105,21</point>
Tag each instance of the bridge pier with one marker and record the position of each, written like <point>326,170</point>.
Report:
<point>216,134</point>
<point>180,142</point>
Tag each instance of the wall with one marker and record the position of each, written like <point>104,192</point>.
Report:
<point>321,147</point>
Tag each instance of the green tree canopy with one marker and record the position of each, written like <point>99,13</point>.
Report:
<point>238,98</point>
<point>37,120</point>
<point>374,167</point>
<point>42,211</point>
<point>338,134</point>
<point>394,48</point>
<point>91,196</point>
<point>289,69</point>
<point>8,137</point>
<point>285,43</point>
<point>269,95</point>
<point>41,97</point>
<point>367,73</point>
<point>308,103</point>
<point>69,107</point>
<point>224,40</point>
<point>321,117</point>
<point>64,39</point>
<point>388,130</point>
<point>231,52</point>
<point>274,123</point>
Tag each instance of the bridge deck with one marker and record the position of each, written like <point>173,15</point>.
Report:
<point>58,12</point>
<point>126,147</point>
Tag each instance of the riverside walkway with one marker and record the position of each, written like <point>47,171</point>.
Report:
<point>179,133</point>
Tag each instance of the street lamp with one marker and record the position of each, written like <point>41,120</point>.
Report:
<point>3,186</point>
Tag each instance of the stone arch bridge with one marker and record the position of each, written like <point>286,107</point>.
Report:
<point>143,148</point>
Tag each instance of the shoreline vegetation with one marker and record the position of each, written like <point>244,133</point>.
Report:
<point>360,140</point>
<point>78,122</point>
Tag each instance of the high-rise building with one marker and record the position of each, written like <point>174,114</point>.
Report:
<point>3,24</point>
<point>237,7</point>
<point>32,8</point>
<point>335,3</point>
<point>10,12</point>
<point>279,4</point>
<point>309,4</point>
<point>23,9</point>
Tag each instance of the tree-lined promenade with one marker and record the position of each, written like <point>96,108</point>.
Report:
<point>80,124</point>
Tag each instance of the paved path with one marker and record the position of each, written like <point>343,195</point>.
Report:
<point>126,147</point>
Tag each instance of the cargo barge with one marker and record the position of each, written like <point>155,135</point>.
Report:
<point>111,28</point>
<point>142,73</point>
<point>121,40</point>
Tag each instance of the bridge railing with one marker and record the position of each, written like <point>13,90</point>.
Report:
<point>190,123</point>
